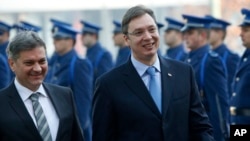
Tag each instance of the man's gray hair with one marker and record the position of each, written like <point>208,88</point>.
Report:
<point>23,41</point>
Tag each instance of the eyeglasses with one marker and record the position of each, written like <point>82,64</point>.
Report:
<point>139,33</point>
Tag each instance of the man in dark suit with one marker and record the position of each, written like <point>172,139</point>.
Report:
<point>27,105</point>
<point>124,106</point>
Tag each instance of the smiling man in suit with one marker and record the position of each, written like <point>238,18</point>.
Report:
<point>30,109</point>
<point>126,106</point>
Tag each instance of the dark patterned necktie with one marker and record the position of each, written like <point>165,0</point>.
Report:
<point>41,121</point>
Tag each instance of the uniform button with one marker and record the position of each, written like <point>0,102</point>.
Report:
<point>234,94</point>
<point>58,65</point>
<point>245,59</point>
<point>54,78</point>
<point>233,123</point>
<point>188,60</point>
<point>237,79</point>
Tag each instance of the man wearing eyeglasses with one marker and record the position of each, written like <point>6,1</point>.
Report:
<point>149,98</point>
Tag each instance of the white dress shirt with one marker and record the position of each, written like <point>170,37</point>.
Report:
<point>44,100</point>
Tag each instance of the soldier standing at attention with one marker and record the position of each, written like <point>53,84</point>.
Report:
<point>240,106</point>
<point>100,58</point>
<point>210,73</point>
<point>174,39</point>
<point>70,70</point>
<point>124,50</point>
<point>218,33</point>
<point>5,71</point>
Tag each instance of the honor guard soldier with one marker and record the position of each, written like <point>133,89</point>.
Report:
<point>124,50</point>
<point>174,40</point>
<point>70,70</point>
<point>100,58</point>
<point>240,105</point>
<point>218,33</point>
<point>5,71</point>
<point>55,22</point>
<point>4,37</point>
<point>210,73</point>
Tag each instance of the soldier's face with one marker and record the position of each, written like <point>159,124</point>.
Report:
<point>215,36</point>
<point>118,39</point>
<point>62,45</point>
<point>143,38</point>
<point>31,67</point>
<point>88,39</point>
<point>245,36</point>
<point>3,37</point>
<point>170,37</point>
<point>192,38</point>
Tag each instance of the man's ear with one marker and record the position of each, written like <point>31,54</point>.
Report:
<point>126,38</point>
<point>11,64</point>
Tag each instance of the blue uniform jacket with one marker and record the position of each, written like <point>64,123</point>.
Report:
<point>177,53</point>
<point>241,89</point>
<point>78,75</point>
<point>123,55</point>
<point>100,58</point>
<point>3,48</point>
<point>231,61</point>
<point>4,72</point>
<point>212,83</point>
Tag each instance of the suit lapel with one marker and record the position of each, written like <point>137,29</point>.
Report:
<point>56,103</point>
<point>19,107</point>
<point>167,77</point>
<point>135,84</point>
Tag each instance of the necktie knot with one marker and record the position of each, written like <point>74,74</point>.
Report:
<point>151,71</point>
<point>34,97</point>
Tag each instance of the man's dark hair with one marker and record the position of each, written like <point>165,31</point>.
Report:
<point>135,12</point>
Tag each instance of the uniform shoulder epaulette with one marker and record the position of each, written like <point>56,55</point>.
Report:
<point>213,54</point>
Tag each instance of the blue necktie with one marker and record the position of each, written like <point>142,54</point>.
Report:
<point>154,87</point>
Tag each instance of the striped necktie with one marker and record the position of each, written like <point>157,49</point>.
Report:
<point>41,121</point>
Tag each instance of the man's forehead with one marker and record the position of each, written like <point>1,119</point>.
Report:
<point>143,21</point>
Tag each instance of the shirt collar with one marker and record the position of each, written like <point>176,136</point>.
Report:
<point>141,68</point>
<point>25,92</point>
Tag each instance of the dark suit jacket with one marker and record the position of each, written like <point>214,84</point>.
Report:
<point>123,109</point>
<point>17,125</point>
